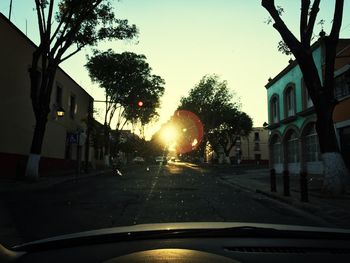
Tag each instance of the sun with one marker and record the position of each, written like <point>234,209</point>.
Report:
<point>169,134</point>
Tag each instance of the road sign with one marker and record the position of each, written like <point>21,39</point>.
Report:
<point>72,138</point>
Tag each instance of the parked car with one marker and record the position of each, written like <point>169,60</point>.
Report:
<point>138,159</point>
<point>161,160</point>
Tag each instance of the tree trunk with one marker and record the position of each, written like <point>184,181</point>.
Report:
<point>335,170</point>
<point>227,159</point>
<point>32,170</point>
<point>107,146</point>
<point>41,87</point>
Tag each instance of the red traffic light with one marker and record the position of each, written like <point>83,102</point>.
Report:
<point>140,103</point>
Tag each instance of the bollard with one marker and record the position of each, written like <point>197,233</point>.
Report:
<point>304,196</point>
<point>286,191</point>
<point>273,180</point>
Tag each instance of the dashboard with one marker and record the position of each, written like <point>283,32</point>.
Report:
<point>199,250</point>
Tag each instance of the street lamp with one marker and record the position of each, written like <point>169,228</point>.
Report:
<point>60,111</point>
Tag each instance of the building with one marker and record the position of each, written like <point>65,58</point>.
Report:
<point>252,149</point>
<point>293,140</point>
<point>60,147</point>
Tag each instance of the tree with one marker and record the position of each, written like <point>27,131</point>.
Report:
<point>78,24</point>
<point>209,100</point>
<point>235,124</point>
<point>320,91</point>
<point>126,79</point>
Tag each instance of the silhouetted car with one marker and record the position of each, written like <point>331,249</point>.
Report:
<point>161,160</point>
<point>138,159</point>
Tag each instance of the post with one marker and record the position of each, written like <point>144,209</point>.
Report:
<point>10,11</point>
<point>78,153</point>
<point>88,133</point>
<point>286,191</point>
<point>304,197</point>
<point>273,180</point>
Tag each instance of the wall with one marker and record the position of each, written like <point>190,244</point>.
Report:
<point>17,116</point>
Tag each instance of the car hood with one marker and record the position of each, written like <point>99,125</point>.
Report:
<point>163,230</point>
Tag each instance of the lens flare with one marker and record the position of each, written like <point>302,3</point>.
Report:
<point>189,131</point>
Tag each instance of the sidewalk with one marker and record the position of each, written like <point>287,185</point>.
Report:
<point>8,234</point>
<point>335,210</point>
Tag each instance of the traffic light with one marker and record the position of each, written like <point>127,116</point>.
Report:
<point>140,103</point>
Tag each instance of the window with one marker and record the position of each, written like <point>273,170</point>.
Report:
<point>256,136</point>
<point>292,145</point>
<point>72,106</point>
<point>58,99</point>
<point>311,145</point>
<point>342,85</point>
<point>274,110</point>
<point>256,146</point>
<point>276,150</point>
<point>257,157</point>
<point>289,102</point>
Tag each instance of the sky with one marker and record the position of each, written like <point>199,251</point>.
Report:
<point>184,40</point>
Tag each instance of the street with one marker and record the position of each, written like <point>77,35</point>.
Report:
<point>177,192</point>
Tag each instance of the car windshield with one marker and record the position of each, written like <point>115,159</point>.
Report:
<point>118,113</point>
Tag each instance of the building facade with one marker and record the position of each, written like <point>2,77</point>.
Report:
<point>252,149</point>
<point>293,141</point>
<point>61,146</point>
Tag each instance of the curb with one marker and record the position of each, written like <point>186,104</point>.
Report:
<point>45,182</point>
<point>306,207</point>
<point>318,211</point>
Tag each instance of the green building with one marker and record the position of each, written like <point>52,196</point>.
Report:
<point>293,141</point>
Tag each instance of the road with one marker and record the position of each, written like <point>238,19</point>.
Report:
<point>171,193</point>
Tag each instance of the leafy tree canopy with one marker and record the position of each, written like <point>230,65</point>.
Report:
<point>209,100</point>
<point>213,103</point>
<point>127,78</point>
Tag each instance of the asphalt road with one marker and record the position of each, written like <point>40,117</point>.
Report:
<point>172,193</point>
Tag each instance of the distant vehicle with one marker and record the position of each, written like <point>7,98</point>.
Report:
<point>161,159</point>
<point>138,159</point>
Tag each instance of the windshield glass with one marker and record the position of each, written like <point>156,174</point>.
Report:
<point>117,113</point>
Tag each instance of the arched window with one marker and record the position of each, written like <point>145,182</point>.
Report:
<point>274,109</point>
<point>311,146</point>
<point>292,147</point>
<point>289,102</point>
<point>276,150</point>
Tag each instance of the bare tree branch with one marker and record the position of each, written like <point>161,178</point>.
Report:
<point>40,20</point>
<point>281,27</point>
<point>71,33</point>
<point>71,54</point>
<point>310,27</point>
<point>330,45</point>
<point>42,11</point>
<point>305,5</point>
<point>49,18</point>
<point>337,19</point>
<point>64,19</point>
